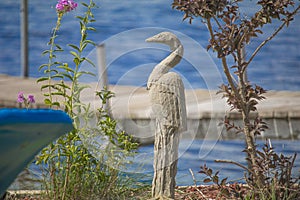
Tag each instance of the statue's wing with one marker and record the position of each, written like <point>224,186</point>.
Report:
<point>168,100</point>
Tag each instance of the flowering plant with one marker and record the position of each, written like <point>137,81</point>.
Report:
<point>64,6</point>
<point>72,172</point>
<point>27,101</point>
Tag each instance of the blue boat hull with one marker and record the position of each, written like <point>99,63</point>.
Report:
<point>23,133</point>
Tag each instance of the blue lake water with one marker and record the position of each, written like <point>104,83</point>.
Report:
<point>192,154</point>
<point>196,153</point>
<point>123,27</point>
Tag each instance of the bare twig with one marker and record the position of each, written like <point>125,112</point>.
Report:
<point>182,192</point>
<point>241,53</point>
<point>210,29</point>
<point>271,36</point>
<point>231,82</point>
<point>195,183</point>
<point>226,69</point>
<point>217,22</point>
<point>235,163</point>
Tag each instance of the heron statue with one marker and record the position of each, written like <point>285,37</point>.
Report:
<point>167,96</point>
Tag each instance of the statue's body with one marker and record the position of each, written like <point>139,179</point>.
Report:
<point>168,104</point>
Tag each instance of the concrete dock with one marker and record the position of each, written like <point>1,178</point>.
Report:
<point>205,109</point>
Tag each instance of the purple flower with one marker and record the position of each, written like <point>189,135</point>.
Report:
<point>31,99</point>
<point>26,102</point>
<point>21,97</point>
<point>63,6</point>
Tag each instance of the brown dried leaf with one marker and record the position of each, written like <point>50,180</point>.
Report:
<point>206,180</point>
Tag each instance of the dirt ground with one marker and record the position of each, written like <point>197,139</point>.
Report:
<point>203,192</point>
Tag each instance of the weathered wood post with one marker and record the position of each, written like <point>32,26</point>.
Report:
<point>102,73</point>
<point>168,104</point>
<point>24,38</point>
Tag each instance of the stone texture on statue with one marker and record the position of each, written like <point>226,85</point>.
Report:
<point>167,96</point>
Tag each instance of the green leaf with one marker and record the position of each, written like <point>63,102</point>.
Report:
<point>58,50</point>
<point>76,61</point>
<point>42,79</point>
<point>84,72</point>
<point>90,42</point>
<point>47,71</point>
<point>84,37</point>
<point>74,54</point>
<point>81,24</point>
<point>84,4</point>
<point>57,63</point>
<point>47,102</point>
<point>90,28</point>
<point>66,75</point>
<point>56,104</point>
<point>89,61</point>
<point>57,76</point>
<point>67,107</point>
<point>45,86</point>
<point>54,71</point>
<point>83,46</point>
<point>82,88</point>
<point>52,56</point>
<point>74,47</point>
<point>66,67</point>
<point>45,52</point>
<point>58,46</point>
<point>57,93</point>
<point>43,66</point>
<point>46,94</point>
<point>64,85</point>
<point>79,17</point>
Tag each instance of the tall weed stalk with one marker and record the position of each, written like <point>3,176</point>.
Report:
<point>85,163</point>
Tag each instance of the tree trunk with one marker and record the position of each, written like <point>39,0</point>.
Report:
<point>251,148</point>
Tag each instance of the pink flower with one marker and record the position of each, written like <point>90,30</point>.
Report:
<point>27,102</point>
<point>31,99</point>
<point>21,97</point>
<point>65,6</point>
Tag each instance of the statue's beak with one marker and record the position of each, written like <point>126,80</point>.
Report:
<point>155,38</point>
<point>151,39</point>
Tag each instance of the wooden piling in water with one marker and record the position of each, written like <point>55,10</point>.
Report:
<point>24,38</point>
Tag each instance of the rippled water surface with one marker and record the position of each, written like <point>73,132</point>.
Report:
<point>277,67</point>
<point>192,154</point>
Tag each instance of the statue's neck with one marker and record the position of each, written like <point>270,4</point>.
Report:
<point>174,58</point>
<point>165,65</point>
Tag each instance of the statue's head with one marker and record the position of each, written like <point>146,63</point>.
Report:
<point>167,38</point>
